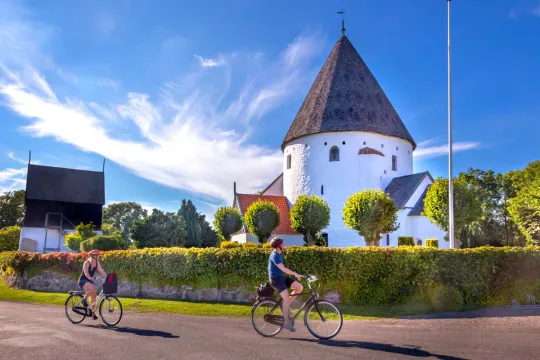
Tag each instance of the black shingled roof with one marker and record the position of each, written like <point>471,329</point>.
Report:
<point>400,189</point>
<point>418,208</point>
<point>65,185</point>
<point>346,97</point>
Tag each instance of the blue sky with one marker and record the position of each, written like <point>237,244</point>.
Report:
<point>185,97</point>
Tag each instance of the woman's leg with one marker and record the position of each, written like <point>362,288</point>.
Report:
<point>90,293</point>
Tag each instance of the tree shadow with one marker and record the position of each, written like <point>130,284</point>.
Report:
<point>138,332</point>
<point>410,350</point>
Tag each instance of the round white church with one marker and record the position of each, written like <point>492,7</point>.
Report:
<point>347,137</point>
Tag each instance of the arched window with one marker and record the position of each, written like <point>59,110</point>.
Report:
<point>419,242</point>
<point>334,153</point>
<point>288,161</point>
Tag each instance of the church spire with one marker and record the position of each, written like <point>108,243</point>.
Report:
<point>342,12</point>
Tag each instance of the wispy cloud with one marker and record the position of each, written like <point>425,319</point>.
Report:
<point>187,138</point>
<point>425,151</point>
<point>210,63</point>
<point>536,11</point>
<point>12,179</point>
<point>523,11</point>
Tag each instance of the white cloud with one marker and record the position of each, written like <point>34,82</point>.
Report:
<point>210,63</point>
<point>12,179</point>
<point>536,11</point>
<point>187,139</point>
<point>424,151</point>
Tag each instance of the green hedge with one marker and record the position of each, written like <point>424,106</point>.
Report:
<point>483,276</point>
<point>9,238</point>
<point>103,242</point>
<point>229,245</point>
<point>432,243</point>
<point>405,241</point>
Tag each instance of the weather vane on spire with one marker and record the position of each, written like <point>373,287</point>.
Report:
<point>342,12</point>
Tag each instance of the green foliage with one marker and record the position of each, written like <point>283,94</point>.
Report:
<point>159,230</point>
<point>525,212</point>
<point>432,243</point>
<point>266,245</point>
<point>73,241</point>
<point>12,208</point>
<point>405,241</point>
<point>261,219</point>
<point>188,211</point>
<point>466,202</point>
<point>229,245</point>
<point>483,275</point>
<point>309,215</point>
<point>208,235</point>
<point>249,245</point>
<point>85,231</point>
<point>121,216</point>
<point>447,298</point>
<point>9,238</point>
<point>104,243</point>
<point>227,221</point>
<point>372,214</point>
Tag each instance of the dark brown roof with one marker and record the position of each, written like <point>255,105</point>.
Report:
<point>66,185</point>
<point>346,97</point>
<point>418,208</point>
<point>369,151</point>
<point>400,189</point>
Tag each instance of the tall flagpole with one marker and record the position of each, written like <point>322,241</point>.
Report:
<point>450,172</point>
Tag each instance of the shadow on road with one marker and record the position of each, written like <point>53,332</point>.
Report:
<point>495,312</point>
<point>410,351</point>
<point>139,332</point>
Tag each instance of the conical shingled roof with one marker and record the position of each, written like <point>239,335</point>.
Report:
<point>346,97</point>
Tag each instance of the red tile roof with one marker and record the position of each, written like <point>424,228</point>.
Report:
<point>282,204</point>
<point>369,151</point>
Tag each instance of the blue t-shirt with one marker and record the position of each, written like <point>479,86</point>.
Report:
<point>274,259</point>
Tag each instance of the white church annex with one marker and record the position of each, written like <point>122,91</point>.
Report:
<point>347,137</point>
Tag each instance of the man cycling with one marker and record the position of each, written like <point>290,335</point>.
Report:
<point>276,271</point>
<point>90,266</point>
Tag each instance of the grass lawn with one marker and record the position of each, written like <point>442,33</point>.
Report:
<point>350,312</point>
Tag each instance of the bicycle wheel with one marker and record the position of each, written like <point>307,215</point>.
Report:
<point>110,310</point>
<point>75,311</point>
<point>267,317</point>
<point>323,319</point>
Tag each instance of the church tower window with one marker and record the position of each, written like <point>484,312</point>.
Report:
<point>288,161</point>
<point>394,162</point>
<point>334,153</point>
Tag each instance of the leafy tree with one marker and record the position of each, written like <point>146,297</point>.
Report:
<point>208,235</point>
<point>188,211</point>
<point>525,211</point>
<point>82,232</point>
<point>261,219</point>
<point>372,214</point>
<point>467,205</point>
<point>122,216</point>
<point>9,238</point>
<point>227,221</point>
<point>159,230</point>
<point>309,215</point>
<point>12,208</point>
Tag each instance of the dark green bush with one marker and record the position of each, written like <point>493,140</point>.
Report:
<point>405,241</point>
<point>447,298</point>
<point>104,242</point>
<point>432,243</point>
<point>9,238</point>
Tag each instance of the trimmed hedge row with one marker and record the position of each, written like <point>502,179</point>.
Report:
<point>361,275</point>
<point>405,241</point>
<point>432,243</point>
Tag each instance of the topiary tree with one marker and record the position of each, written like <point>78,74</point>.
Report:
<point>261,219</point>
<point>372,214</point>
<point>227,221</point>
<point>468,206</point>
<point>405,241</point>
<point>103,242</point>
<point>309,215</point>
<point>432,243</point>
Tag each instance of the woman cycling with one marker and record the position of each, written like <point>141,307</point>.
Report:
<point>90,266</point>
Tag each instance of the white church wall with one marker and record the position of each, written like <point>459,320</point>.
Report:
<point>290,240</point>
<point>311,172</point>
<point>53,238</point>
<point>276,188</point>
<point>424,229</point>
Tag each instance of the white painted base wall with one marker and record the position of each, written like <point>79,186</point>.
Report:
<point>53,238</point>
<point>290,240</point>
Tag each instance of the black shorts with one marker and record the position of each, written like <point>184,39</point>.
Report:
<point>281,282</point>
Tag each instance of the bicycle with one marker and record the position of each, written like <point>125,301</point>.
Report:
<point>328,314</point>
<point>107,305</point>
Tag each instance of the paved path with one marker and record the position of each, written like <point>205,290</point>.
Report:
<point>43,332</point>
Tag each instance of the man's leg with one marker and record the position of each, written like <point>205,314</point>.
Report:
<point>286,304</point>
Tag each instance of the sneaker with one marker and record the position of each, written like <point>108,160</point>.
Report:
<point>84,303</point>
<point>289,326</point>
<point>94,316</point>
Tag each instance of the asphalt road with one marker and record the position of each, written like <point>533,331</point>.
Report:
<point>43,332</point>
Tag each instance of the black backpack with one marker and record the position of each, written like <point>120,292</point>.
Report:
<point>265,290</point>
